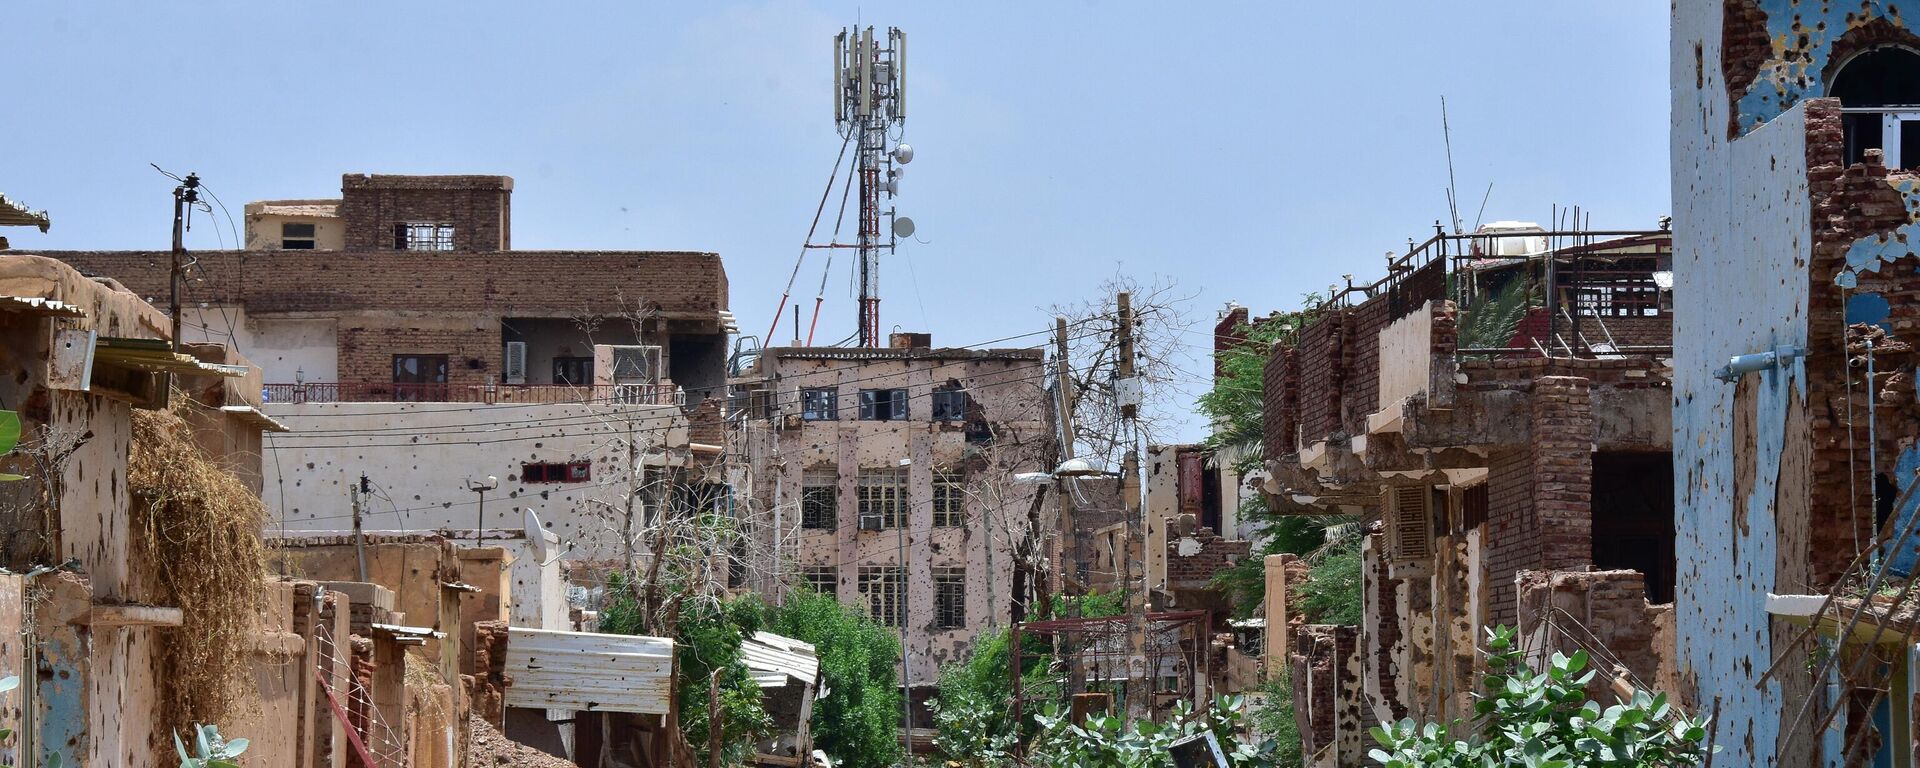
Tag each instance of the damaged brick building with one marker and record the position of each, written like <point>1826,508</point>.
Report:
<point>1797,204</point>
<point>1498,403</point>
<point>403,338</point>
<point>849,452</point>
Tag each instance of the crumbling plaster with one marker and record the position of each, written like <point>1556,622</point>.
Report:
<point>1742,233</point>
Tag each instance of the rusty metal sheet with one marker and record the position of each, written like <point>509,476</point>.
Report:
<point>71,366</point>
<point>589,672</point>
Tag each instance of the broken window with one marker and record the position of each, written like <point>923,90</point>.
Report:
<point>1633,517</point>
<point>824,580</point>
<point>949,598</point>
<point>884,588</point>
<point>882,499</point>
<point>556,472</point>
<point>1879,93</point>
<point>950,405</point>
<point>297,236</point>
<point>820,500</point>
<point>883,404</point>
<point>949,500</point>
<point>423,236</point>
<point>420,378</point>
<point>573,371</point>
<point>819,404</point>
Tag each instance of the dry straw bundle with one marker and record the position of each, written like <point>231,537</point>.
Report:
<point>198,526</point>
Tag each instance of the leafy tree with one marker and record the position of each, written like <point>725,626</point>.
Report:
<point>1235,407</point>
<point>1274,720</point>
<point>1545,720</point>
<point>708,636</point>
<point>858,721</point>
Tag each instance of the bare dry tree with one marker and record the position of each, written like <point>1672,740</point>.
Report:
<point>1161,320</point>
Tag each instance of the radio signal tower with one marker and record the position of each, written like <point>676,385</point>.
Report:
<point>870,104</point>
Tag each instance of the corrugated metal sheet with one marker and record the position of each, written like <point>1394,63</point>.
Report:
<point>589,672</point>
<point>13,214</point>
<point>775,659</point>
<point>35,305</point>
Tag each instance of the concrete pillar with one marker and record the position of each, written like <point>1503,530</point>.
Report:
<point>1279,634</point>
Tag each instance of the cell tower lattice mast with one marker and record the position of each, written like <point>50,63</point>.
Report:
<point>870,105</point>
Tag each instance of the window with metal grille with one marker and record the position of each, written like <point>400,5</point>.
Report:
<point>884,588</point>
<point>820,500</point>
<point>824,580</point>
<point>555,472</point>
<point>819,404</point>
<point>297,236</point>
<point>423,236</point>
<point>949,598</point>
<point>950,405</point>
<point>949,500</point>
<point>883,404</point>
<point>882,498</point>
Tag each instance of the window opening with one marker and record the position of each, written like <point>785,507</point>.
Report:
<point>822,579</point>
<point>819,404</point>
<point>423,236</point>
<point>949,500</point>
<point>573,371</point>
<point>882,498</point>
<point>556,472</point>
<point>883,404</point>
<point>950,405</point>
<point>297,236</point>
<point>1879,91</point>
<point>820,500</point>
<point>949,598</point>
<point>884,589</point>
<point>420,378</point>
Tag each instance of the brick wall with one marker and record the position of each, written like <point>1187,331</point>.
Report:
<point>1511,542</point>
<point>1849,203</point>
<point>366,353</point>
<point>1563,470</point>
<point>1539,500</point>
<point>1322,379</point>
<point>478,207</point>
<point>1361,397</point>
<point>1196,571</point>
<point>1227,334</point>
<point>1611,606</point>
<point>505,283</point>
<point>1280,401</point>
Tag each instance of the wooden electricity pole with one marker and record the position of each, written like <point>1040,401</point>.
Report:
<point>184,196</point>
<point>1066,539</point>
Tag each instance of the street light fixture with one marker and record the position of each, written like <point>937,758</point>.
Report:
<point>481,487</point>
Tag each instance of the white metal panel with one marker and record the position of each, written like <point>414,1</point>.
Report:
<point>589,672</point>
<point>773,659</point>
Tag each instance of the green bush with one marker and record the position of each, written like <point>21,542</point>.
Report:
<point>857,723</point>
<point>1545,720</point>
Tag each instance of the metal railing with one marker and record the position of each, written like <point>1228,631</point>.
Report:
<point>1582,278</point>
<point>554,394</point>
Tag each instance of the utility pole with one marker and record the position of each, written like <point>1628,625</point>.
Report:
<point>184,195</point>
<point>1067,538</point>
<point>1130,498</point>
<point>359,535</point>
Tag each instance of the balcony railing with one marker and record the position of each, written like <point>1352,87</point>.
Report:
<point>384,392</point>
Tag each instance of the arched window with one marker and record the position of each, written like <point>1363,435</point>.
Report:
<point>1880,90</point>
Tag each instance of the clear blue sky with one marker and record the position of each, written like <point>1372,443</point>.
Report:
<point>1252,151</point>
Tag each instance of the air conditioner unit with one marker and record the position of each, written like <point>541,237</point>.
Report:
<point>516,363</point>
<point>1409,517</point>
<point>873,523</point>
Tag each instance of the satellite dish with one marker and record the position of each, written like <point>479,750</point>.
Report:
<point>903,154</point>
<point>902,226</point>
<point>536,534</point>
